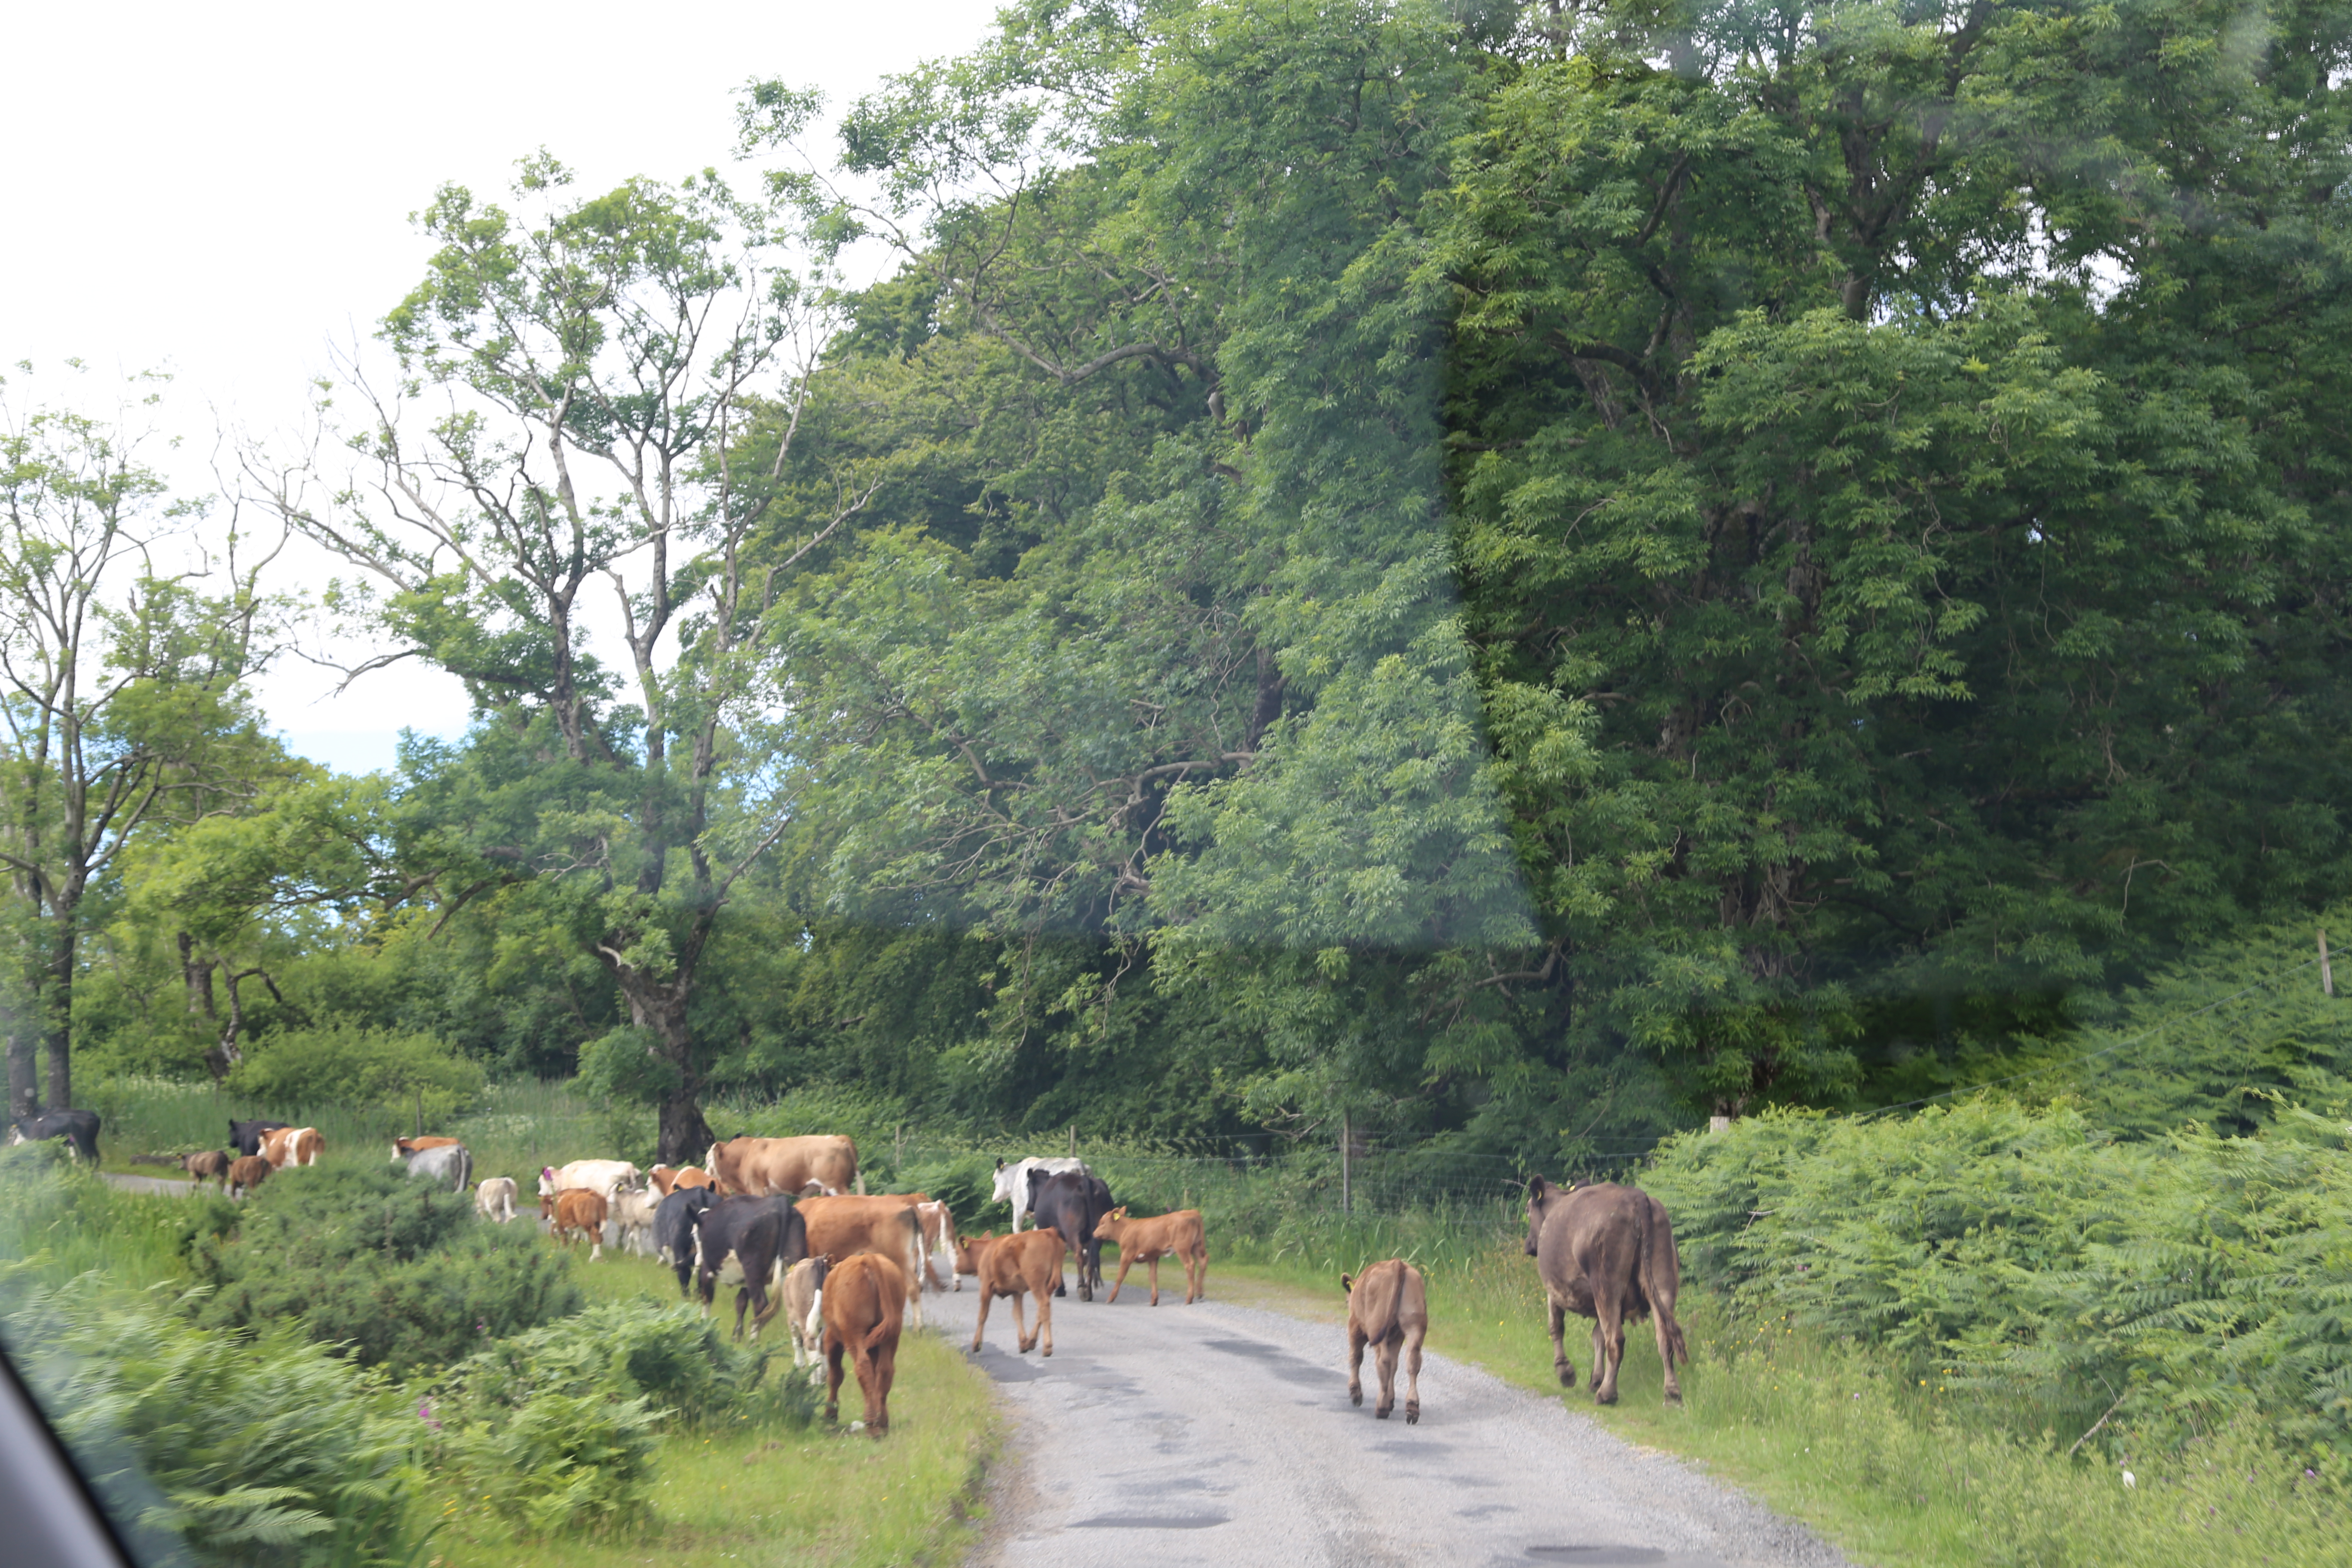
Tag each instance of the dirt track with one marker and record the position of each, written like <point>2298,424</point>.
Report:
<point>1217,1433</point>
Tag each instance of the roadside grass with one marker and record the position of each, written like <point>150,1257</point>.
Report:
<point>821,1496</point>
<point>1892,1470</point>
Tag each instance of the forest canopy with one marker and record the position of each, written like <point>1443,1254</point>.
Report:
<point>1520,575</point>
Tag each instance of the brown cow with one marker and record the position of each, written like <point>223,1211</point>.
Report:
<point>578,1209</point>
<point>864,1300</point>
<point>770,1167</point>
<point>246,1173</point>
<point>1008,1266</point>
<point>843,1228</point>
<point>207,1162</point>
<point>401,1148</point>
<point>292,1146</point>
<point>669,1179</point>
<point>1607,1253</point>
<point>1388,1308</point>
<point>1179,1234</point>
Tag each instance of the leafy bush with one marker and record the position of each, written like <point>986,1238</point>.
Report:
<point>369,1069</point>
<point>267,1452</point>
<point>561,1463</point>
<point>2183,1284</point>
<point>674,1359</point>
<point>400,1271</point>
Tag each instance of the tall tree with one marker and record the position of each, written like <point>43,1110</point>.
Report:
<point>119,696</point>
<point>621,377</point>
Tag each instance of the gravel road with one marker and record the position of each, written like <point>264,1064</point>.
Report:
<point>1218,1434</point>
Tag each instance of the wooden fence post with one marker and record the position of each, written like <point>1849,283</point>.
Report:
<point>1347,1153</point>
<point>2326,974</point>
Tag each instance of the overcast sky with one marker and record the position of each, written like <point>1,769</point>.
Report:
<point>224,192</point>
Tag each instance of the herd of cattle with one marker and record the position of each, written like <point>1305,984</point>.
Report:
<point>788,1221</point>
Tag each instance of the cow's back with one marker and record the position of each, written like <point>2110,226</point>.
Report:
<point>1592,1240</point>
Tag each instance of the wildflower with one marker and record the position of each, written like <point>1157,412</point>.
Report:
<point>424,1413</point>
<point>2130,1480</point>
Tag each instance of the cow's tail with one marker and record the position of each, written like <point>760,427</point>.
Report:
<point>1661,1278</point>
<point>1376,1299</point>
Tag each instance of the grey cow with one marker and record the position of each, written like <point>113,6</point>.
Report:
<point>450,1166</point>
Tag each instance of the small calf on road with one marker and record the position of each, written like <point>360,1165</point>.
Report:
<point>246,1173</point>
<point>1388,1308</point>
<point>207,1163</point>
<point>576,1209</point>
<point>1179,1234</point>
<point>1009,1266</point>
<point>496,1199</point>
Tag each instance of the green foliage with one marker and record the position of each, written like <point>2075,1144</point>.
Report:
<point>2186,1283</point>
<point>265,1450</point>
<point>561,1464</point>
<point>679,1363</point>
<point>400,1273</point>
<point>349,1065</point>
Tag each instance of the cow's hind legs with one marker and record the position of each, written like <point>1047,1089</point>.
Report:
<point>1024,1336</point>
<point>1045,1323</point>
<point>1609,1339</point>
<point>1355,1366</point>
<point>833,1352</point>
<point>1386,1354</point>
<point>1667,1330</point>
<point>1558,1324</point>
<point>981,1324</point>
<point>1413,1338</point>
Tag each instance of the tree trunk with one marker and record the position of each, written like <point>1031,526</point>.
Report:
<point>24,1091</point>
<point>659,1008</point>
<point>685,1137</point>
<point>57,1011</point>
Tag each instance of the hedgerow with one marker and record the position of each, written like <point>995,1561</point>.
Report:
<point>2171,1286</point>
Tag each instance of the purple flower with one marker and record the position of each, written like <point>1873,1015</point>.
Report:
<point>424,1413</point>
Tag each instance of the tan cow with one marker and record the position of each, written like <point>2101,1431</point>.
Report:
<point>246,1173</point>
<point>865,1298</point>
<point>938,1226</point>
<point>208,1164</point>
<point>841,1227</point>
<point>580,1209</point>
<point>1010,1266</point>
<point>1388,1308</point>
<point>1179,1234</point>
<point>786,1167</point>
<point>669,1179</point>
<point>1606,1252</point>
<point>401,1148</point>
<point>292,1146</point>
<point>496,1199</point>
<point>804,1299</point>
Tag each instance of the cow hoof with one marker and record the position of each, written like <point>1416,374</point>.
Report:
<point>1381,1414</point>
<point>1413,1415</point>
<point>1356,1397</point>
<point>1605,1399</point>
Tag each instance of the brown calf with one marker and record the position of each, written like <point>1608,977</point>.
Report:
<point>245,1172</point>
<point>580,1209</point>
<point>669,1179</point>
<point>1607,1253</point>
<point>1177,1235</point>
<point>864,1300</point>
<point>207,1163</point>
<point>1009,1266</point>
<point>1388,1308</point>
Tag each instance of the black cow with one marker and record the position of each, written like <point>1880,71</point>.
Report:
<point>247,1135</point>
<point>77,1128</point>
<point>765,1236</point>
<point>1073,1203</point>
<point>674,1230</point>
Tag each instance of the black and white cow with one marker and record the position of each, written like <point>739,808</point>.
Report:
<point>1073,1203</point>
<point>77,1128</point>
<point>762,1237</point>
<point>674,1230</point>
<point>247,1135</point>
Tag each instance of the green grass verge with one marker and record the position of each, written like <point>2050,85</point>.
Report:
<point>823,1496</point>
<point>1893,1474</point>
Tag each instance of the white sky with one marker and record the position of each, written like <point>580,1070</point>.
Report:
<point>223,190</point>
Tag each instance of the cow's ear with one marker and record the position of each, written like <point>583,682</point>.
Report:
<point>1538,1188</point>
<point>1347,1285</point>
<point>1000,1164</point>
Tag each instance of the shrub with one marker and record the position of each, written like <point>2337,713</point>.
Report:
<point>561,1464</point>
<point>364,1069</point>
<point>674,1359</point>
<point>267,1452</point>
<point>399,1271</point>
<point>2188,1282</point>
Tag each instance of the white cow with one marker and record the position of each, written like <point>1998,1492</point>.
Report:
<point>609,1177</point>
<point>1012,1183</point>
<point>496,1199</point>
<point>630,1220</point>
<point>803,1293</point>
